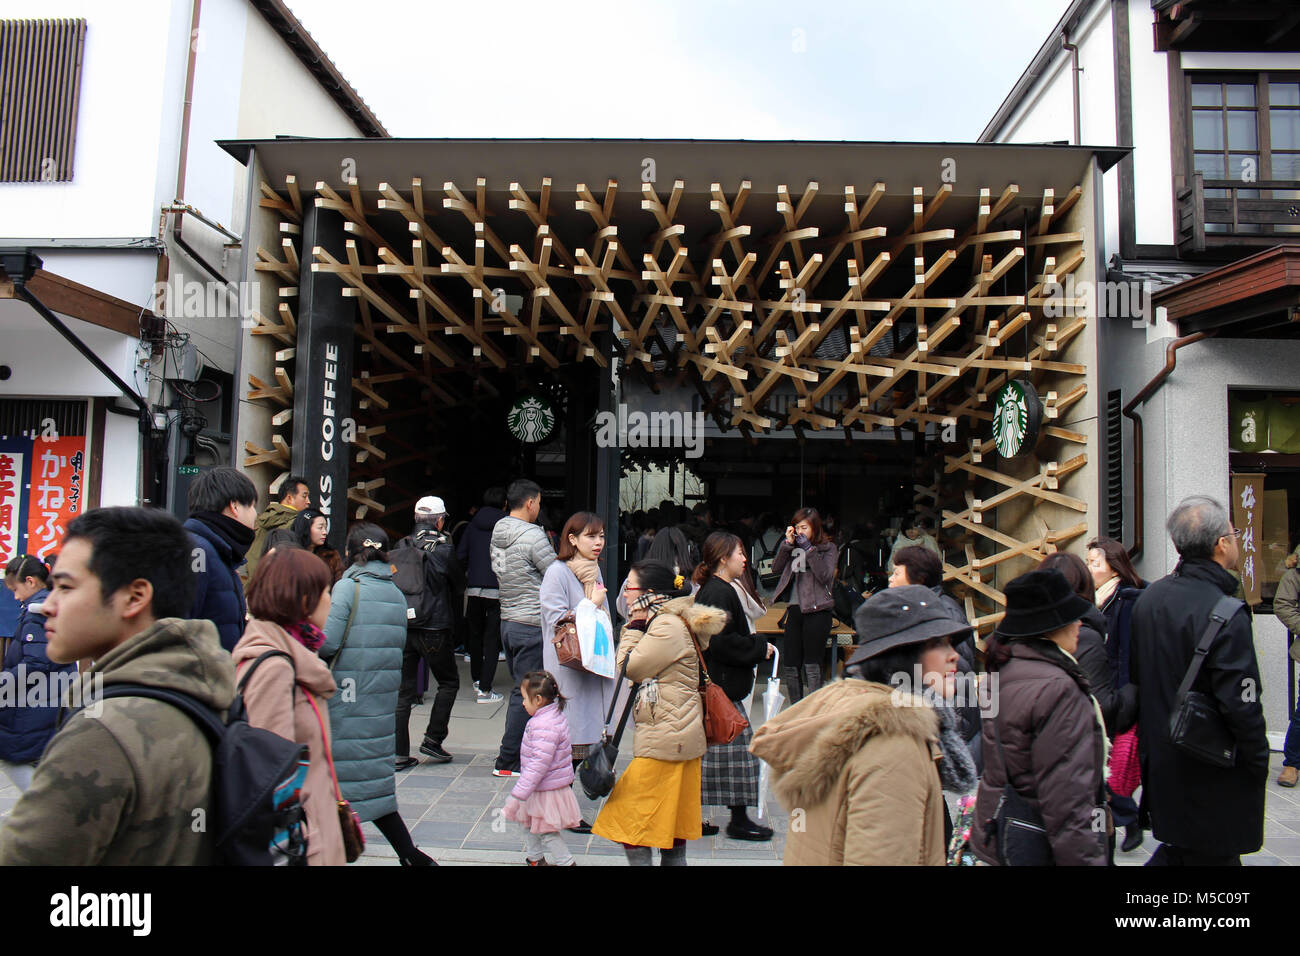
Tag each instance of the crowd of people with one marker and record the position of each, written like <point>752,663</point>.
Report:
<point>1084,672</point>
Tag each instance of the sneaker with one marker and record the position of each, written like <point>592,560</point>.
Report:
<point>488,696</point>
<point>541,862</point>
<point>498,772</point>
<point>435,751</point>
<point>501,657</point>
<point>467,660</point>
<point>404,763</point>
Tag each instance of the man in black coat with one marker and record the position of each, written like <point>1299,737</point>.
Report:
<point>223,511</point>
<point>1203,815</point>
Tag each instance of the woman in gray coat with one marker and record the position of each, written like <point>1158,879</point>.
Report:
<point>364,637</point>
<point>572,577</point>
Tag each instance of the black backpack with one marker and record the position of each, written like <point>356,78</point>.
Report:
<point>256,778</point>
<point>409,575</point>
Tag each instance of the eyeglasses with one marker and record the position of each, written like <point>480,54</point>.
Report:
<point>625,589</point>
<point>1235,533</point>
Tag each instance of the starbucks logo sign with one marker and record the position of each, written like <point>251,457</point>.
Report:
<point>531,419</point>
<point>1017,415</point>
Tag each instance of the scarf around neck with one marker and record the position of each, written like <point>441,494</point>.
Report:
<point>957,772</point>
<point>307,634</point>
<point>753,609</point>
<point>650,601</point>
<point>239,536</point>
<point>587,573</point>
<point>1106,590</point>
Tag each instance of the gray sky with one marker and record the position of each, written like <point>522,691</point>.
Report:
<point>691,69</point>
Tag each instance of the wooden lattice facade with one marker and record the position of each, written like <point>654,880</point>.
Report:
<point>884,304</point>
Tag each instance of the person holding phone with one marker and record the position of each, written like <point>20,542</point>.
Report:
<point>806,562</point>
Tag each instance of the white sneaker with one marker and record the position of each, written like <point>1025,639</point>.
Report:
<point>488,697</point>
<point>501,657</point>
<point>466,658</point>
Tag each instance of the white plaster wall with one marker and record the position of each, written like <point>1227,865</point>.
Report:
<point>1152,163</point>
<point>44,364</point>
<point>247,84</point>
<point>126,274</point>
<point>117,141</point>
<point>278,96</point>
<point>1047,113</point>
<point>120,482</point>
<point>1186,452</point>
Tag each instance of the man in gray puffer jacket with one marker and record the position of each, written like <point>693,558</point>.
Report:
<point>521,553</point>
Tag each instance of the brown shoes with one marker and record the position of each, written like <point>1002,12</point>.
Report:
<point>1288,777</point>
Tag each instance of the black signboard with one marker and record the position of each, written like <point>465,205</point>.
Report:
<point>322,383</point>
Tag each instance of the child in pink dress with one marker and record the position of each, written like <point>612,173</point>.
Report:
<point>542,801</point>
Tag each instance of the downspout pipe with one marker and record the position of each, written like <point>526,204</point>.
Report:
<point>1151,387</point>
<point>1075,70</point>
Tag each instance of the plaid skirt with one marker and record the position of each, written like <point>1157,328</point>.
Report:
<point>729,772</point>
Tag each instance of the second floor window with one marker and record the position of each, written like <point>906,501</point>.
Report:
<point>1245,128</point>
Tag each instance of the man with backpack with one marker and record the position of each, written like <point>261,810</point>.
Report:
<point>126,780</point>
<point>427,571</point>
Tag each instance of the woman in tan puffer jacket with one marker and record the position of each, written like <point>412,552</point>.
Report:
<point>656,803</point>
<point>862,764</point>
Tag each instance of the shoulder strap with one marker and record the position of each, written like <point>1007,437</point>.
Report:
<point>204,716</point>
<point>352,613</point>
<point>326,745</point>
<point>1223,611</point>
<point>239,688</point>
<point>237,705</point>
<point>627,708</point>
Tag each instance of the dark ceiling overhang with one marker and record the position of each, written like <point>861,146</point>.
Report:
<point>1255,297</point>
<point>1219,25</point>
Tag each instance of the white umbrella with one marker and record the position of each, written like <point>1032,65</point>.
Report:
<point>772,701</point>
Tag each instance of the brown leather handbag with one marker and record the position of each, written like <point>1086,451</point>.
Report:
<point>723,722</point>
<point>568,651</point>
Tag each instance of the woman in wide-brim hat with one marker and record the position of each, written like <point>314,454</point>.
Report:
<point>866,760</point>
<point>1047,736</point>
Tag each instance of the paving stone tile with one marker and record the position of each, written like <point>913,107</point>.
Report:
<point>432,830</point>
<point>454,812</point>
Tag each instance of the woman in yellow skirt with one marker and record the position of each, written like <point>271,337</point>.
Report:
<point>656,803</point>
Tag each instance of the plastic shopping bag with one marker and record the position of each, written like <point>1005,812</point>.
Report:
<point>596,638</point>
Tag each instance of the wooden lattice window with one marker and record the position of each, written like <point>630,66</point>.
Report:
<point>40,78</point>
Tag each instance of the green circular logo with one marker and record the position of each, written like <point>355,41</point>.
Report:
<point>1015,428</point>
<point>531,419</point>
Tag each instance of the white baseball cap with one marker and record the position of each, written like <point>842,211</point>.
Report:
<point>429,505</point>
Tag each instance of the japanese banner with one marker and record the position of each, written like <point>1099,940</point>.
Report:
<point>56,491</point>
<point>1247,516</point>
<point>15,458</point>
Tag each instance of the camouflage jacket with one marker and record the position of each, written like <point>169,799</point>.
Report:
<point>125,781</point>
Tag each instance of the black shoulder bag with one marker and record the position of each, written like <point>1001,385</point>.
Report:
<point>1196,727</point>
<point>1017,831</point>
<point>596,772</point>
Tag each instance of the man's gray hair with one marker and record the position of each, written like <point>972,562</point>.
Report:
<point>1196,526</point>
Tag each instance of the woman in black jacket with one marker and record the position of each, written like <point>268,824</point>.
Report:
<point>1091,655</point>
<point>730,772</point>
